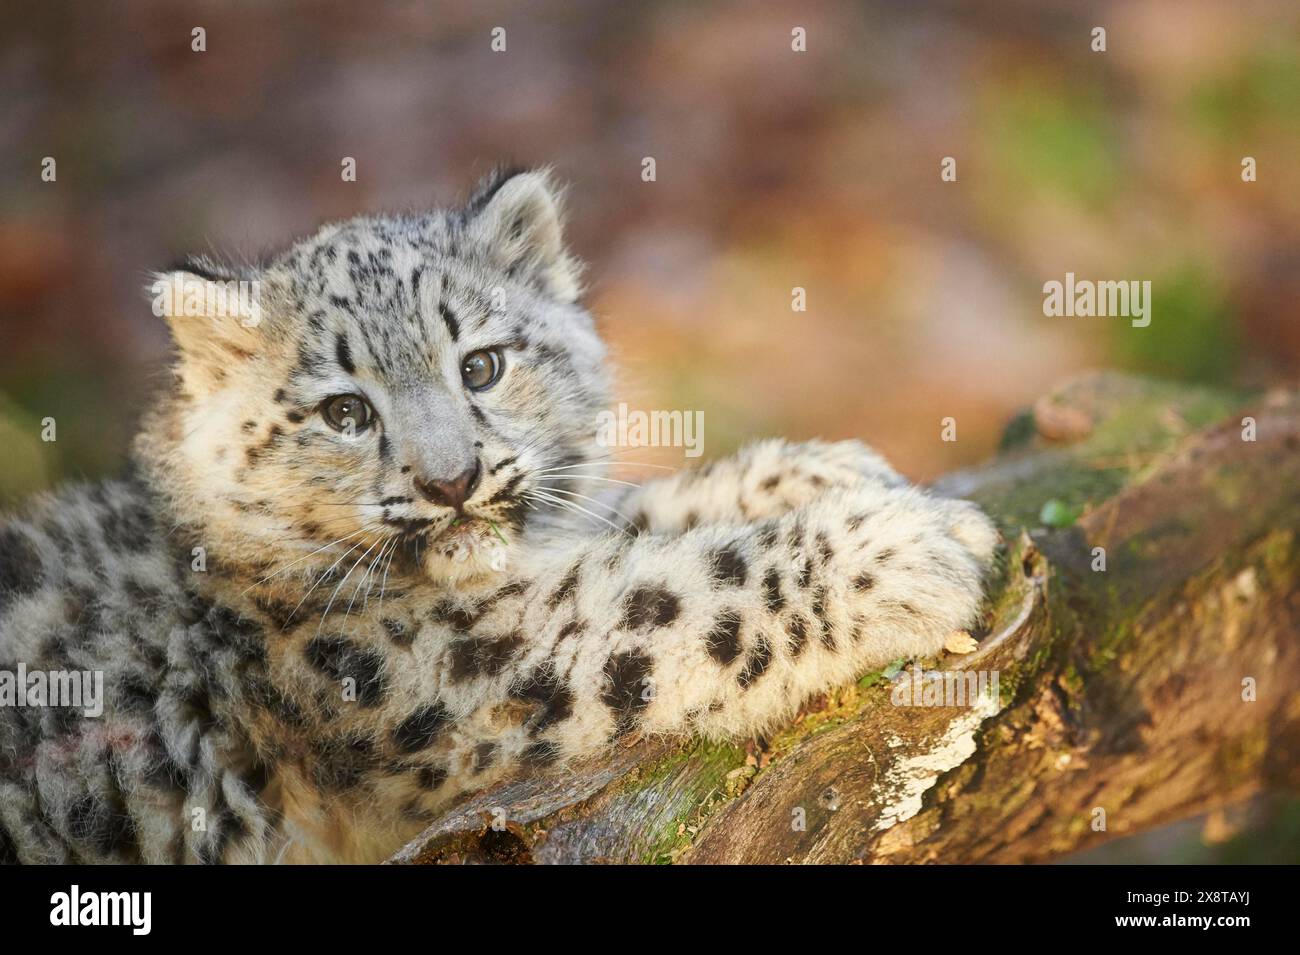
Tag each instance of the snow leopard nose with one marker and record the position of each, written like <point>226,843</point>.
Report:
<point>451,493</point>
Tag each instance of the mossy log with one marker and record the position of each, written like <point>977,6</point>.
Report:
<point>1157,688</point>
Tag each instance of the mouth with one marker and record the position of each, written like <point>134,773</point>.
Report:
<point>469,536</point>
<point>470,528</point>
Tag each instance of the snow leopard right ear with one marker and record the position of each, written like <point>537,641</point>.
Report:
<point>517,217</point>
<point>213,314</point>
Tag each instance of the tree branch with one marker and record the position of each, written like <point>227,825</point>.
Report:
<point>1120,691</point>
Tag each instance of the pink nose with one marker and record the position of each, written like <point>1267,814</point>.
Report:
<point>453,493</point>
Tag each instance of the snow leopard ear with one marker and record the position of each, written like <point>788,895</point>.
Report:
<point>517,216</point>
<point>214,316</point>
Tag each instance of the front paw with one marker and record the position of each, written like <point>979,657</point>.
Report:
<point>972,528</point>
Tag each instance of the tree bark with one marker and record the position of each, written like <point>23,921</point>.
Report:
<point>1157,688</point>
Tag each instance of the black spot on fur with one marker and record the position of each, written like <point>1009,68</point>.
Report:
<point>650,606</point>
<point>458,618</point>
<point>797,628</point>
<point>566,587</point>
<point>343,354</point>
<point>421,728</point>
<point>127,525</point>
<point>723,641</point>
<point>544,687</point>
<point>756,664</point>
<point>265,695</point>
<point>864,582</point>
<point>20,566</point>
<point>728,567</point>
<point>278,612</point>
<point>625,686</point>
<point>8,851</point>
<point>136,694</point>
<point>542,753</point>
<point>398,632</point>
<point>341,659</point>
<point>509,590</point>
<point>449,319</point>
<point>884,556</point>
<point>772,597</point>
<point>96,821</point>
<point>482,656</point>
<point>826,635</point>
<point>430,778</point>
<point>231,630</point>
<point>485,754</point>
<point>508,489</point>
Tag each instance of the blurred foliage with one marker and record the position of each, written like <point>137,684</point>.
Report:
<point>1259,93</point>
<point>1053,141</point>
<point>1194,338</point>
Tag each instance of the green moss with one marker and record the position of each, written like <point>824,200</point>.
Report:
<point>1072,484</point>
<point>1131,437</point>
<point>679,792</point>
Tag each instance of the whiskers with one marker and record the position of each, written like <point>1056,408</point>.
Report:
<point>562,500</point>
<point>550,493</point>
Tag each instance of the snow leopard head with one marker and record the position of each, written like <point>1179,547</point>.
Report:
<point>398,386</point>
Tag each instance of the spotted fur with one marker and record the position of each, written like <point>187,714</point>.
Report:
<point>305,658</point>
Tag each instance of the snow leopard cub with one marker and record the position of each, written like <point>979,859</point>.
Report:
<point>355,570</point>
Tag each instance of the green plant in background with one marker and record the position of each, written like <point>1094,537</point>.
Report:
<point>1191,335</point>
<point>1052,139</point>
<point>1262,91</point>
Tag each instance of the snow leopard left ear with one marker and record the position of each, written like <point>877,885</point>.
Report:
<point>213,314</point>
<point>517,216</point>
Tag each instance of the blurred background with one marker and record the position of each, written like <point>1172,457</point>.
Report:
<point>775,169</point>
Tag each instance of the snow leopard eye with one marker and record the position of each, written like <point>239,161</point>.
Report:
<point>347,413</point>
<point>481,369</point>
